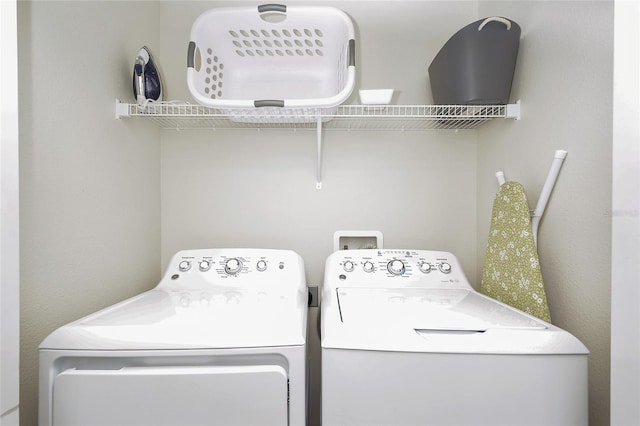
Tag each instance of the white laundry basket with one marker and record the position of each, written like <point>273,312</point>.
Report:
<point>273,60</point>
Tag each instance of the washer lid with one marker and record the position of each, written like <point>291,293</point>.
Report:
<point>454,321</point>
<point>173,319</point>
<point>430,310</point>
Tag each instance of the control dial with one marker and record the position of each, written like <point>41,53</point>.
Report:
<point>396,267</point>
<point>425,267</point>
<point>233,266</point>
<point>184,266</point>
<point>348,266</point>
<point>204,265</point>
<point>261,265</point>
<point>368,266</point>
<point>444,267</point>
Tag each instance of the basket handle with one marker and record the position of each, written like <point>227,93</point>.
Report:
<point>269,103</point>
<point>191,55</point>
<point>495,18</point>
<point>273,13</point>
<point>264,8</point>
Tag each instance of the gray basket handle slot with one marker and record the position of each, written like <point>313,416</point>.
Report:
<point>193,56</point>
<point>269,103</point>
<point>351,59</point>
<point>497,19</point>
<point>263,8</point>
<point>273,13</point>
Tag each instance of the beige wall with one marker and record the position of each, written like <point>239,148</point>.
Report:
<point>565,80</point>
<point>105,203</point>
<point>89,184</point>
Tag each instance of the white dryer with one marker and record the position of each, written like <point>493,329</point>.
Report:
<point>220,341</point>
<point>406,341</point>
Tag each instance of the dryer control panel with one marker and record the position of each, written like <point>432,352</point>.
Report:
<point>395,268</point>
<point>245,268</point>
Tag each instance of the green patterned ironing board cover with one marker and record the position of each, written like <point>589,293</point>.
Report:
<point>511,272</point>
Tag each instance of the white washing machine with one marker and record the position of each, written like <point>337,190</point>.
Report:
<point>406,341</point>
<point>220,341</point>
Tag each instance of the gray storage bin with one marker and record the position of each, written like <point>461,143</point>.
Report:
<point>476,65</point>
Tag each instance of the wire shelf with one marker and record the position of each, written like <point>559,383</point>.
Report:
<point>182,116</point>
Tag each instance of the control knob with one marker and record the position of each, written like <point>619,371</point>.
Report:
<point>348,266</point>
<point>396,267</point>
<point>233,266</point>
<point>204,265</point>
<point>444,267</point>
<point>261,265</point>
<point>368,266</point>
<point>425,267</point>
<point>184,266</point>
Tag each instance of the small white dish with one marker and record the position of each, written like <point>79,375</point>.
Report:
<point>376,96</point>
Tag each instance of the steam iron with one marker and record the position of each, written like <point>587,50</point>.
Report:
<point>146,78</point>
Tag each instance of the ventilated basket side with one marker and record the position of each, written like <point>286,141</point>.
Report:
<point>242,57</point>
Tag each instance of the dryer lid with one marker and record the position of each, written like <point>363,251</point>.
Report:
<point>429,310</point>
<point>172,319</point>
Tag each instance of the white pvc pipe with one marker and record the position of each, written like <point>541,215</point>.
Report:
<point>536,214</point>
<point>556,165</point>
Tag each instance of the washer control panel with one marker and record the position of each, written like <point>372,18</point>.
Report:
<point>235,267</point>
<point>390,268</point>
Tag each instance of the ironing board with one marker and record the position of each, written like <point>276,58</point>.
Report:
<point>511,272</point>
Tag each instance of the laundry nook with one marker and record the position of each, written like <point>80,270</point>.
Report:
<point>319,213</point>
